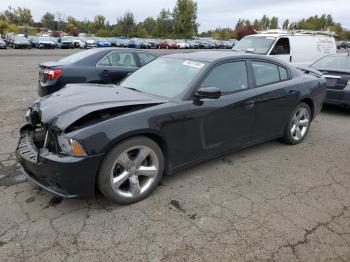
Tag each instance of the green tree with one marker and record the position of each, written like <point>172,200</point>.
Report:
<point>149,23</point>
<point>48,21</point>
<point>285,25</point>
<point>165,26</point>
<point>18,16</point>
<point>274,23</point>
<point>185,18</point>
<point>126,24</point>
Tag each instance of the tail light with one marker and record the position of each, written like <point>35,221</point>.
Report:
<point>53,73</point>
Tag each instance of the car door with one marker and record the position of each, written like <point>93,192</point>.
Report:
<point>227,122</point>
<point>282,49</point>
<point>116,66</point>
<point>275,98</point>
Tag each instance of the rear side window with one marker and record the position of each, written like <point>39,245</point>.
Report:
<point>265,73</point>
<point>228,77</point>
<point>283,73</point>
<point>146,58</point>
<point>119,59</point>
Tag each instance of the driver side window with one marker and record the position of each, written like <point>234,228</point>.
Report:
<point>282,47</point>
<point>228,77</point>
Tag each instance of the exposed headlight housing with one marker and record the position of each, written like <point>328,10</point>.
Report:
<point>71,147</point>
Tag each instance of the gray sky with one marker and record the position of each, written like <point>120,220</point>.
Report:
<point>211,13</point>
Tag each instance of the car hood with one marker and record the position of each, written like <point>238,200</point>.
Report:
<point>71,103</point>
<point>21,42</point>
<point>46,42</point>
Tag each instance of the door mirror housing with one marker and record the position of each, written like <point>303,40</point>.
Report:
<point>208,92</point>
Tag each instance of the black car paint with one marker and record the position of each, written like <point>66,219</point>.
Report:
<point>189,130</point>
<point>86,70</point>
<point>338,89</point>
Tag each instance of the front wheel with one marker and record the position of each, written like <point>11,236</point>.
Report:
<point>298,125</point>
<point>131,170</point>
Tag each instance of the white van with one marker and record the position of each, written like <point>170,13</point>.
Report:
<point>297,47</point>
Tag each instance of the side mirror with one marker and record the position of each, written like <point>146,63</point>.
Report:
<point>208,92</point>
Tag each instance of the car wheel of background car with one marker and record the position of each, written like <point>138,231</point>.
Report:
<point>298,125</point>
<point>131,170</point>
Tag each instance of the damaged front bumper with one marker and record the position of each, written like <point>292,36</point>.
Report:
<point>63,175</point>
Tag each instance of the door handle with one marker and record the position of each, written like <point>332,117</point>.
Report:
<point>250,104</point>
<point>105,72</point>
<point>292,91</point>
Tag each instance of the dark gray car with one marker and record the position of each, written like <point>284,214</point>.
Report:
<point>336,69</point>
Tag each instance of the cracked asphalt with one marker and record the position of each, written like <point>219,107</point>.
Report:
<point>271,202</point>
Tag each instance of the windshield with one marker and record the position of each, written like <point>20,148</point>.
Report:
<point>166,77</point>
<point>44,39</point>
<point>78,56</point>
<point>337,62</point>
<point>67,38</point>
<point>255,44</point>
<point>21,38</point>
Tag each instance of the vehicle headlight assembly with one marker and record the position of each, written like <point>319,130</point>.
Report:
<point>71,147</point>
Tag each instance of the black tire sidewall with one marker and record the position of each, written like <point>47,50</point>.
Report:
<point>104,173</point>
<point>287,135</point>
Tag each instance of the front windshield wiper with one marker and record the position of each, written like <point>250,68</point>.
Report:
<point>132,88</point>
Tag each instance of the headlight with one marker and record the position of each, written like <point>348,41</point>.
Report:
<point>71,147</point>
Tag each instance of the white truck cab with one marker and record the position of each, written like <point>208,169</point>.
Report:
<point>297,47</point>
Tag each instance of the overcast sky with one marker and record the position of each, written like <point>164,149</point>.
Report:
<point>211,13</point>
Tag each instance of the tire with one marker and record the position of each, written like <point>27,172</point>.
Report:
<point>125,167</point>
<point>298,125</point>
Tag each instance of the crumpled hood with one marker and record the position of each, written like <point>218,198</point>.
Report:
<point>71,103</point>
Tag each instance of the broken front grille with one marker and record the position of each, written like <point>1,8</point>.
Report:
<point>26,148</point>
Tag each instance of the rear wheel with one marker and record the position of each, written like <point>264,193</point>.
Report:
<point>131,170</point>
<point>298,125</point>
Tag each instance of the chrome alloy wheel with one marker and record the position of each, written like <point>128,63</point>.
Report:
<point>300,124</point>
<point>134,171</point>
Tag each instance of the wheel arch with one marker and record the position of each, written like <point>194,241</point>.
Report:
<point>157,138</point>
<point>311,104</point>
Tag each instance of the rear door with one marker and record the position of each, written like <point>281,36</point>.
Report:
<point>116,65</point>
<point>275,98</point>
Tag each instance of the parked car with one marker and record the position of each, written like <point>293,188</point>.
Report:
<point>101,42</point>
<point>167,44</point>
<point>21,42</point>
<point>79,42</point>
<point>90,43</point>
<point>107,65</point>
<point>336,69</point>
<point>172,113</point>
<point>2,44</point>
<point>44,42</point>
<point>66,42</point>
<point>153,43</point>
<point>193,44</point>
<point>301,48</point>
<point>138,43</point>
<point>120,42</point>
<point>181,44</point>
<point>343,44</point>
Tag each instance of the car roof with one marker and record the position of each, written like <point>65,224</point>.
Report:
<point>212,56</point>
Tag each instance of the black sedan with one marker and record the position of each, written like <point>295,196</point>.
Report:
<point>174,112</point>
<point>336,69</point>
<point>104,66</point>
